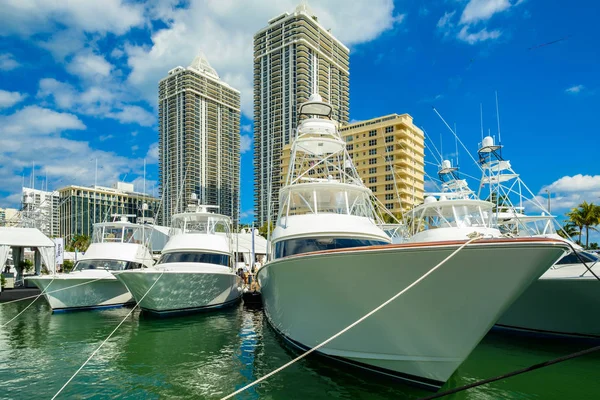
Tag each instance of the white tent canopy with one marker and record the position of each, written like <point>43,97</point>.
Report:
<point>26,237</point>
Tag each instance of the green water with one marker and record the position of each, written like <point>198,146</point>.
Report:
<point>210,355</point>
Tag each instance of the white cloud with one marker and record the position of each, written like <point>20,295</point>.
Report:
<point>576,183</point>
<point>479,36</point>
<point>35,120</point>
<point>481,10</point>
<point>246,128</point>
<point>133,114</point>
<point>26,18</point>
<point>570,191</point>
<point>9,99</point>
<point>245,143</point>
<point>471,28</point>
<point>224,34</point>
<point>152,154</point>
<point>575,89</point>
<point>445,20</point>
<point>97,101</point>
<point>36,134</point>
<point>247,215</point>
<point>90,66</point>
<point>8,62</point>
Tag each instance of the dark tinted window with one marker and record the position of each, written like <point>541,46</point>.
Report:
<point>298,246</point>
<point>187,257</point>
<point>572,258</point>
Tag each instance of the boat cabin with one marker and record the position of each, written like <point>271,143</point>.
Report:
<point>450,219</point>
<point>121,232</point>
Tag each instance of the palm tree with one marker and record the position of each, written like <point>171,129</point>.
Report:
<point>586,215</point>
<point>80,243</point>
<point>568,230</point>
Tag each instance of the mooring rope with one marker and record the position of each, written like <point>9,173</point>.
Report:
<point>52,291</point>
<point>28,305</point>
<point>352,325</point>
<point>513,373</point>
<point>109,336</point>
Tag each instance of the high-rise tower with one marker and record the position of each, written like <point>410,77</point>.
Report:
<point>198,140</point>
<point>294,56</point>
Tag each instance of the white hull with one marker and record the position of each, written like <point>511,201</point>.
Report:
<point>182,291</point>
<point>94,290</point>
<point>424,335</point>
<point>560,302</point>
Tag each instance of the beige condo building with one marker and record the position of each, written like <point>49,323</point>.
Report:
<point>294,56</point>
<point>388,153</point>
<point>198,140</point>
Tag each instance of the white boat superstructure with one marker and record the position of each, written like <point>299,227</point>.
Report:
<point>115,246</point>
<point>559,302</point>
<point>195,271</point>
<point>331,264</point>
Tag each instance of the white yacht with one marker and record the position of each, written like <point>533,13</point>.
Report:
<point>559,302</point>
<point>195,271</point>
<point>115,246</point>
<point>331,264</point>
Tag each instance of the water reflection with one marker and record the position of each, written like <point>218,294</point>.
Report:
<point>211,355</point>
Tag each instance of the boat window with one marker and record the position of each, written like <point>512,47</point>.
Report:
<point>97,235</point>
<point>290,247</point>
<point>113,233</point>
<point>572,258</point>
<point>133,235</point>
<point>109,265</point>
<point>194,257</point>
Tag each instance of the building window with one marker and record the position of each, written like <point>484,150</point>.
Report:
<point>389,158</point>
<point>389,139</point>
<point>373,188</point>
<point>388,168</point>
<point>389,177</point>
<point>389,196</point>
<point>350,147</point>
<point>389,129</point>
<point>389,148</point>
<point>349,138</point>
<point>373,179</point>
<point>372,161</point>
<point>389,206</point>
<point>372,152</point>
<point>373,142</point>
<point>389,186</point>
<point>373,170</point>
<point>372,133</point>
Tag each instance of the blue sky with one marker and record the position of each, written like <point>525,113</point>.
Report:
<point>78,81</point>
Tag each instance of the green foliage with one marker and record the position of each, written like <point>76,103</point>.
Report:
<point>568,230</point>
<point>67,266</point>
<point>593,246</point>
<point>79,243</point>
<point>263,230</point>
<point>26,265</point>
<point>586,215</point>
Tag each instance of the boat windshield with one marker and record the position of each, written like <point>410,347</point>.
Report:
<point>291,247</point>
<point>450,215</point>
<point>108,265</point>
<point>194,257</point>
<point>326,198</point>
<point>528,226</point>
<point>120,234</point>
<point>198,223</point>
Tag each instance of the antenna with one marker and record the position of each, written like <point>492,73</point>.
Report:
<point>498,119</point>
<point>481,119</point>
<point>441,148</point>
<point>456,144</point>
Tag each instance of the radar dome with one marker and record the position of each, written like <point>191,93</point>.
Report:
<point>430,199</point>
<point>487,141</point>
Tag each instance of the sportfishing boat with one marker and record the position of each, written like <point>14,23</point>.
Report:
<point>115,246</point>
<point>330,264</point>
<point>559,302</point>
<point>195,271</point>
